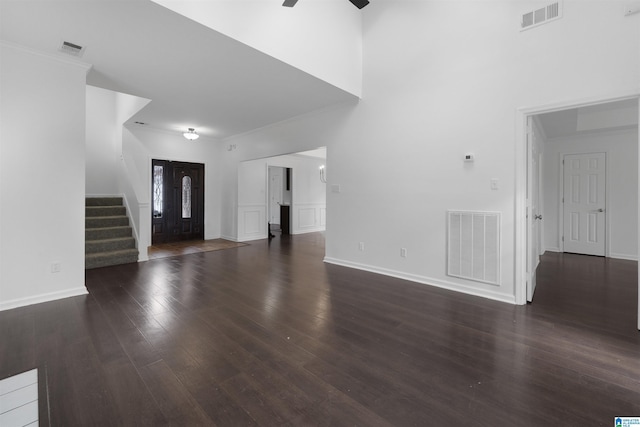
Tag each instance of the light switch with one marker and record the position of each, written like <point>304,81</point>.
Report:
<point>494,183</point>
<point>335,188</point>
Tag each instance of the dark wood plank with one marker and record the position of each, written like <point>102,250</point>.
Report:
<point>267,334</point>
<point>175,402</point>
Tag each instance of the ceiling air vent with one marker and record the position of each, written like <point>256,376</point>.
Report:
<point>71,48</point>
<point>541,16</point>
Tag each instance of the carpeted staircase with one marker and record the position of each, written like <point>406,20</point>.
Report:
<point>108,236</point>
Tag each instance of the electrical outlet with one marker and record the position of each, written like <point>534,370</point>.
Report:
<point>361,246</point>
<point>403,252</point>
<point>55,267</point>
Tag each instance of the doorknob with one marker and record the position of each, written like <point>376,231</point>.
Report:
<point>598,210</point>
<point>537,216</point>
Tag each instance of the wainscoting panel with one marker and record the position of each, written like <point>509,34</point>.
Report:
<point>474,246</point>
<point>308,217</point>
<point>252,222</point>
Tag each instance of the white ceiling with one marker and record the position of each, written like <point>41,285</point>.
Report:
<point>620,115</point>
<point>194,76</point>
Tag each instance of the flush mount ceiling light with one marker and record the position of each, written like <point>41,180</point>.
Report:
<point>357,3</point>
<point>191,134</point>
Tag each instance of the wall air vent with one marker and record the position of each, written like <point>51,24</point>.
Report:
<point>71,49</point>
<point>473,246</point>
<point>540,16</point>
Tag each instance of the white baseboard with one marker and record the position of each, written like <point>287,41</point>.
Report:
<point>250,239</point>
<point>623,256</point>
<point>37,299</point>
<point>232,239</point>
<point>510,299</point>
<point>610,255</point>
<point>308,230</point>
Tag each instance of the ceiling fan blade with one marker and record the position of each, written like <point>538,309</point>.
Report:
<point>359,3</point>
<point>289,3</point>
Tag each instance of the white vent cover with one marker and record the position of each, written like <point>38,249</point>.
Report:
<point>541,16</point>
<point>71,48</point>
<point>474,246</point>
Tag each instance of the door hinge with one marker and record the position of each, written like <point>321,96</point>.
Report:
<point>563,238</point>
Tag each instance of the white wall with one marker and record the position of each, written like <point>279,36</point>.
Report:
<point>621,184</point>
<point>320,37</point>
<point>42,176</point>
<point>442,79</point>
<point>101,143</point>
<point>308,207</point>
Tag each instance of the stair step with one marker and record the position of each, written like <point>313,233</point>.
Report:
<point>103,201</point>
<point>105,221</point>
<point>108,245</point>
<point>93,211</point>
<point>108,236</point>
<point>104,259</point>
<point>107,233</point>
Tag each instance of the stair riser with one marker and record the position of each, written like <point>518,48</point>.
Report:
<point>103,201</point>
<point>101,222</point>
<point>91,211</point>
<point>107,233</point>
<point>93,247</point>
<point>110,260</point>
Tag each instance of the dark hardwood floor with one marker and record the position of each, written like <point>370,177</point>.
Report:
<point>269,335</point>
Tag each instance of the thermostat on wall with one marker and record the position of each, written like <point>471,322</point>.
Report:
<point>468,157</point>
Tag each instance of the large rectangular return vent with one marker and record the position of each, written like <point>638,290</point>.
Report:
<point>473,245</point>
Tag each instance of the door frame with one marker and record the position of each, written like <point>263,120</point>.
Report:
<point>268,191</point>
<point>522,157</point>
<point>203,186</point>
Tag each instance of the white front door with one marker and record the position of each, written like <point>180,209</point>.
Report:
<point>584,203</point>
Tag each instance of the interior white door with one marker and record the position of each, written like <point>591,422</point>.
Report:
<point>275,194</point>
<point>534,216</point>
<point>584,202</point>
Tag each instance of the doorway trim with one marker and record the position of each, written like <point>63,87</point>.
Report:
<point>521,161</point>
